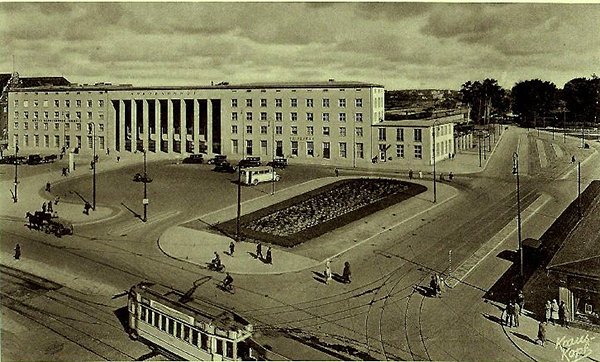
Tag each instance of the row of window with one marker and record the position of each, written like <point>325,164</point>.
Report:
<point>418,151</point>
<point>185,333</point>
<point>417,134</point>
<point>66,115</point>
<point>67,141</point>
<point>67,126</point>
<point>310,148</point>
<point>310,130</point>
<point>358,117</point>
<point>325,102</point>
<point>67,103</point>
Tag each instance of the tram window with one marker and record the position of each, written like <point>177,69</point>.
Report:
<point>156,319</point>
<point>194,337</point>
<point>178,330</point>
<point>220,346</point>
<point>171,325</point>
<point>229,349</point>
<point>143,313</point>
<point>204,341</point>
<point>163,322</point>
<point>186,333</point>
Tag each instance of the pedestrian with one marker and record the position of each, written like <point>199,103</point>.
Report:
<point>56,200</point>
<point>107,151</point>
<point>231,248</point>
<point>327,271</point>
<point>516,314</point>
<point>520,301</point>
<point>438,286</point>
<point>346,273</point>
<point>269,258</point>
<point>259,251</point>
<point>337,172</point>
<point>420,174</point>
<point>548,308</point>
<point>510,312</point>
<point>44,207</point>
<point>118,159</point>
<point>410,174</point>
<point>541,333</point>
<point>86,208</point>
<point>450,176</point>
<point>50,206</point>
<point>64,172</point>
<point>17,252</point>
<point>91,165</point>
<point>554,312</point>
<point>441,176</point>
<point>48,186</point>
<point>573,159</point>
<point>562,314</point>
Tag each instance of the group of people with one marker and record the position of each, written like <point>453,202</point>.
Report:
<point>268,258</point>
<point>411,174</point>
<point>514,309</point>
<point>556,313</point>
<point>436,284</point>
<point>345,274</point>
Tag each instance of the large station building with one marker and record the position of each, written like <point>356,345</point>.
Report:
<point>330,123</point>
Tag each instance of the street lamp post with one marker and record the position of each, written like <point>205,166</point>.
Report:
<point>94,164</point>
<point>564,127</point>
<point>273,157</point>
<point>434,182</point>
<point>15,197</point>
<point>145,200</point>
<point>516,172</point>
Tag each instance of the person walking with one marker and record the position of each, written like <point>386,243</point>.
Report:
<point>520,301</point>
<point>510,312</point>
<point>50,206</point>
<point>346,273</point>
<point>48,186</point>
<point>327,271</point>
<point>44,207</point>
<point>269,258</point>
<point>231,248</point>
<point>259,251</point>
<point>548,308</point>
<point>17,252</point>
<point>541,336</point>
<point>554,312</point>
<point>118,159</point>
<point>562,314</point>
<point>337,172</point>
<point>56,200</point>
<point>86,208</point>
<point>572,159</point>
<point>516,314</point>
<point>64,171</point>
<point>450,176</point>
<point>438,285</point>
<point>420,174</point>
<point>410,174</point>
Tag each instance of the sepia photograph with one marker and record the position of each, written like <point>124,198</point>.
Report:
<point>299,181</point>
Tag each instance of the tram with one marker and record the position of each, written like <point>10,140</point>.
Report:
<point>187,328</point>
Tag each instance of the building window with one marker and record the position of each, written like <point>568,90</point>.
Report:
<point>67,141</point>
<point>418,152</point>
<point>310,130</point>
<point>248,102</point>
<point>56,114</point>
<point>234,146</point>
<point>358,117</point>
<point>248,129</point>
<point>342,102</point>
<point>294,130</point>
<point>278,130</point>
<point>101,127</point>
<point>400,151</point>
<point>278,102</point>
<point>67,103</point>
<point>381,134</point>
<point>78,103</point>
<point>234,116</point>
<point>78,115</point>
<point>342,117</point>
<point>45,126</point>
<point>310,148</point>
<point>45,103</point>
<point>234,129</point>
<point>294,102</point>
<point>90,142</point>
<point>294,116</point>
<point>400,134</point>
<point>16,115</point>
<point>35,126</point>
<point>342,131</point>
<point>16,125</point>
<point>26,114</point>
<point>89,115</point>
<point>309,117</point>
<point>358,102</point>
<point>36,103</point>
<point>263,116</point>
<point>67,115</point>
<point>78,126</point>
<point>100,115</point>
<point>325,117</point>
<point>309,102</point>
<point>279,148</point>
<point>101,142</point>
<point>16,103</point>
<point>46,114</point>
<point>263,102</point>
<point>90,103</point>
<point>325,102</point>
<point>360,153</point>
<point>101,103</point>
<point>26,103</point>
<point>263,129</point>
<point>249,147</point>
<point>233,103</point>
<point>35,115</point>
<point>264,146</point>
<point>56,103</point>
<point>56,141</point>
<point>248,116</point>
<point>56,126</point>
<point>36,140</point>
<point>325,131</point>
<point>67,126</point>
<point>359,132</point>
<point>78,139</point>
<point>278,116</point>
<point>295,148</point>
<point>418,135</point>
<point>25,125</point>
<point>343,149</point>
<point>25,139</point>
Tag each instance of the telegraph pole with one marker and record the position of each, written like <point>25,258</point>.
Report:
<point>479,146</point>
<point>516,172</point>
<point>579,188</point>
<point>15,198</point>
<point>239,204</point>
<point>434,182</point>
<point>145,200</point>
<point>564,128</point>
<point>94,164</point>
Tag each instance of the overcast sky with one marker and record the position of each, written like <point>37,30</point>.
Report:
<point>400,45</point>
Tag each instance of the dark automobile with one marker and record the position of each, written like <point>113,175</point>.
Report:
<point>139,178</point>
<point>34,160</point>
<point>193,159</point>
<point>224,167</point>
<point>278,163</point>
<point>50,158</point>
<point>250,162</point>
<point>11,160</point>
<point>217,160</point>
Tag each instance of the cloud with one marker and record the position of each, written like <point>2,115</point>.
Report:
<point>393,10</point>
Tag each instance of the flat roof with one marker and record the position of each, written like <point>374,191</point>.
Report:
<point>428,122</point>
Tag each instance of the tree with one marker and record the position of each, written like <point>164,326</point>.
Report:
<point>483,98</point>
<point>581,96</point>
<point>533,98</point>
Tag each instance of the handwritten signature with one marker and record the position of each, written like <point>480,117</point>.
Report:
<point>574,349</point>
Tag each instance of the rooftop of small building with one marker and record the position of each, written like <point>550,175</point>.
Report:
<point>439,118</point>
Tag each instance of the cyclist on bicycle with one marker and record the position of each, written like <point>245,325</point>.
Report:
<point>216,262</point>
<point>227,281</point>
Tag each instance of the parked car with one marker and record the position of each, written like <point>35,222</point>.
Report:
<point>278,163</point>
<point>193,159</point>
<point>224,167</point>
<point>217,160</point>
<point>11,160</point>
<point>250,162</point>
<point>50,158</point>
<point>141,178</point>
<point>34,159</point>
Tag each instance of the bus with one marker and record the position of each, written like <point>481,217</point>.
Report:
<point>181,327</point>
<point>255,175</point>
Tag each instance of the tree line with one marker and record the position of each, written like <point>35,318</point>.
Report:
<point>534,102</point>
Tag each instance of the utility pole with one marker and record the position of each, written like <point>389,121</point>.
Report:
<point>579,188</point>
<point>434,182</point>
<point>145,200</point>
<point>273,156</point>
<point>564,125</point>
<point>93,164</point>
<point>516,172</point>
<point>239,204</point>
<point>479,146</point>
<point>15,198</point>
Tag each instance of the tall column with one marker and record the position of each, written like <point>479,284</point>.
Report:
<point>134,131</point>
<point>209,120</point>
<point>196,126</point>
<point>183,126</point>
<point>146,123</point>
<point>121,125</point>
<point>170,125</point>
<point>157,129</point>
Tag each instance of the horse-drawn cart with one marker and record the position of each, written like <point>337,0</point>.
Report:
<point>44,221</point>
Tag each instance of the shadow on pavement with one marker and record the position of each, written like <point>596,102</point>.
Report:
<point>523,337</point>
<point>492,318</point>
<point>135,214</point>
<point>123,316</point>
